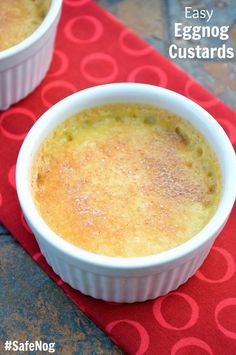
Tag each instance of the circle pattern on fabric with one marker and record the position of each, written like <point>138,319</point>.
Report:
<point>55,91</point>
<point>12,176</point>
<point>25,225</point>
<point>83,29</point>
<point>230,267</point>
<point>16,122</point>
<point>222,307</point>
<point>149,74</point>
<point>129,44</point>
<point>190,341</point>
<point>143,334</point>
<point>193,311</point>
<point>59,64</point>
<point>108,68</point>
<point>37,256</point>
<point>203,98</point>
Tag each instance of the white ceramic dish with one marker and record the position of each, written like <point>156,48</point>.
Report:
<point>23,66</point>
<point>126,279</point>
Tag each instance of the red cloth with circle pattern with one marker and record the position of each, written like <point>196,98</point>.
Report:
<point>92,47</point>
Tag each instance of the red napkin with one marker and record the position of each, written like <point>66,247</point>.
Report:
<point>94,48</point>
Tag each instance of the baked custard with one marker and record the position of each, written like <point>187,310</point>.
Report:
<point>126,180</point>
<point>19,19</point>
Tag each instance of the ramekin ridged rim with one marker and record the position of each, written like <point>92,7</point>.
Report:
<point>52,14</point>
<point>26,156</point>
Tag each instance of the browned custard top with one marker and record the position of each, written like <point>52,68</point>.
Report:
<point>19,19</point>
<point>126,180</point>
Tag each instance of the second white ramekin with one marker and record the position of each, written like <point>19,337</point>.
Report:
<point>23,66</point>
<point>126,279</point>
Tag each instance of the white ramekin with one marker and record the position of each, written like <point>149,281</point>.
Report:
<point>126,279</point>
<point>23,66</point>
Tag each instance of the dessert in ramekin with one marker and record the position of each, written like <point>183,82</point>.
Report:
<point>25,58</point>
<point>122,279</point>
<point>19,19</point>
<point>131,180</point>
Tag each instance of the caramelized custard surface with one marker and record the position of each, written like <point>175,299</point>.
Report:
<point>19,19</point>
<point>126,180</point>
